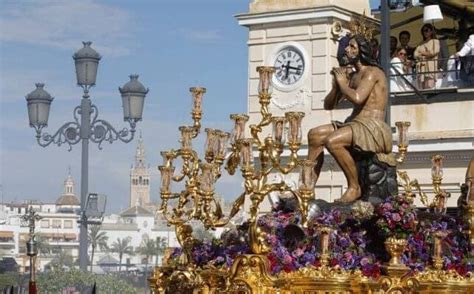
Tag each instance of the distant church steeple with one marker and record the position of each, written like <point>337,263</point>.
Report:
<point>68,200</point>
<point>69,184</point>
<point>140,153</point>
<point>139,178</point>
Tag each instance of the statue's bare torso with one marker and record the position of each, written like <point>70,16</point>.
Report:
<point>365,87</point>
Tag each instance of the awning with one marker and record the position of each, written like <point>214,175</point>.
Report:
<point>69,236</point>
<point>58,235</point>
<point>6,234</point>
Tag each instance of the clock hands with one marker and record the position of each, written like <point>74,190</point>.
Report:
<point>287,68</point>
<point>292,67</point>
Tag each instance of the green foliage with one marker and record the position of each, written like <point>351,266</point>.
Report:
<point>96,238</point>
<point>44,248</point>
<point>56,281</point>
<point>11,279</point>
<point>161,245</point>
<point>147,248</point>
<point>62,259</point>
<point>121,247</point>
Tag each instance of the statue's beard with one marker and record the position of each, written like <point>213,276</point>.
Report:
<point>346,60</point>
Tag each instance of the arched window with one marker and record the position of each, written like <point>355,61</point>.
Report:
<point>140,180</point>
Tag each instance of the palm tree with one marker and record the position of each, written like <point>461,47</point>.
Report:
<point>97,239</point>
<point>43,246</point>
<point>121,247</point>
<point>161,245</point>
<point>147,249</point>
<point>62,259</point>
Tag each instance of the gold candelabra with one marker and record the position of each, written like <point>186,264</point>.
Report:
<point>438,203</point>
<point>197,200</point>
<point>250,272</point>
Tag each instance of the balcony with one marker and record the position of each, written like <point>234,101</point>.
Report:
<point>451,77</point>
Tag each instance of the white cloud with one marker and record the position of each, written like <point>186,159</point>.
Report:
<point>63,24</point>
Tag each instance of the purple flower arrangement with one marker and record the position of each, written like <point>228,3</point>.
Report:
<point>355,243</point>
<point>397,217</point>
<point>455,246</point>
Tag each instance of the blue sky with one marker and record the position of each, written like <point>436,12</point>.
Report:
<point>171,44</point>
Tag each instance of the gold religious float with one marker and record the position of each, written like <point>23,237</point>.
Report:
<point>372,241</point>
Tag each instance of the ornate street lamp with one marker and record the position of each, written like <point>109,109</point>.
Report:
<point>86,125</point>
<point>29,219</point>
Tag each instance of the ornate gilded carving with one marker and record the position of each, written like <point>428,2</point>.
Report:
<point>250,273</point>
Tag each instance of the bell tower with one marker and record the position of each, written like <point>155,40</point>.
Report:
<point>139,178</point>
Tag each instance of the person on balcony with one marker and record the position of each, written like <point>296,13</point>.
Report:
<point>426,55</point>
<point>404,38</point>
<point>466,54</point>
<point>399,71</point>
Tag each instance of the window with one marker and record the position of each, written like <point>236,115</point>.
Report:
<point>68,224</point>
<point>45,223</point>
<point>57,224</point>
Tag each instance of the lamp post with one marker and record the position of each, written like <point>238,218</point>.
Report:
<point>29,219</point>
<point>86,125</point>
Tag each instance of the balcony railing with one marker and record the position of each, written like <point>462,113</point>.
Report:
<point>452,77</point>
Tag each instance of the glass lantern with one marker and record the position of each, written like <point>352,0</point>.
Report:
<point>239,126</point>
<point>294,119</point>
<point>166,175</point>
<point>278,134</point>
<point>265,79</point>
<point>307,175</point>
<point>437,166</point>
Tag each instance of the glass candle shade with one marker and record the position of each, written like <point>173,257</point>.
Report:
<point>307,175</point>
<point>278,129</point>
<point>221,145</point>
<point>211,142</point>
<point>246,152</point>
<point>167,158</point>
<point>294,127</point>
<point>402,127</point>
<point>207,177</point>
<point>186,137</point>
<point>265,75</point>
<point>239,126</point>
<point>197,93</point>
<point>437,166</point>
<point>166,175</point>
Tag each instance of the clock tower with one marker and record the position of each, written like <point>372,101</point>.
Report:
<point>300,39</point>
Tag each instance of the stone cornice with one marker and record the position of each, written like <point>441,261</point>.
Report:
<point>297,15</point>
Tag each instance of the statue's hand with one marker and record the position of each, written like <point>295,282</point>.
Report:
<point>340,75</point>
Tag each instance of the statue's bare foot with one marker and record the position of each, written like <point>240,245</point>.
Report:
<point>351,195</point>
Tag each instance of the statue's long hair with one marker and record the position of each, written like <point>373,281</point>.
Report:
<point>365,51</point>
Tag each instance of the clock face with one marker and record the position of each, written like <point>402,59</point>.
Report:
<point>289,66</point>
